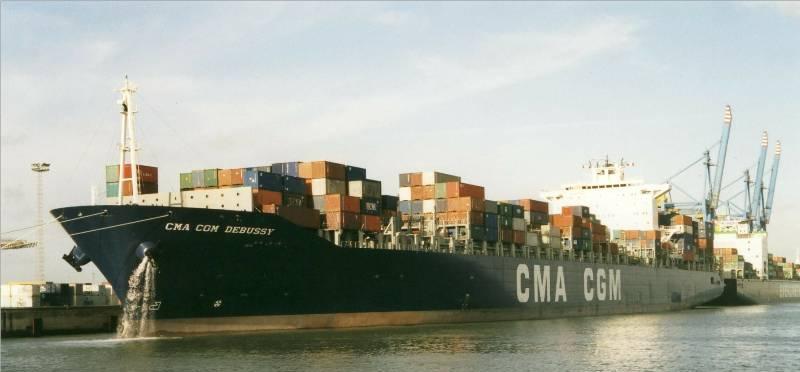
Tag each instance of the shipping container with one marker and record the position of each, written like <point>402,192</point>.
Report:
<point>490,220</point>
<point>428,192</point>
<point>477,232</point>
<point>342,221</point>
<point>506,235</point>
<point>327,186</point>
<point>490,206</point>
<point>431,178</point>
<point>440,190</point>
<point>429,206</point>
<point>112,173</point>
<point>441,205</point>
<point>461,218</point>
<point>577,210</point>
<point>355,173</point>
<point>329,170</point>
<point>210,177</point>
<point>318,203</point>
<point>518,224</point>
<point>519,237</point>
<point>532,239</point>
<point>286,169</point>
<point>303,217</point>
<point>304,170</point>
<point>112,189</point>
<point>224,176</point>
<point>404,193</point>
<point>233,198</point>
<point>416,206</point>
<point>465,204</point>
<point>371,223</point>
<point>198,179</point>
<point>536,218</point>
<point>262,197</point>
<point>504,209</point>
<point>404,206</point>
<point>371,206</point>
<point>517,211</point>
<point>505,222</point>
<point>491,234</point>
<point>145,173</point>
<point>560,220</point>
<point>263,180</point>
<point>262,168</point>
<point>342,203</point>
<point>461,189</point>
<point>185,181</point>
<point>294,200</point>
<point>417,193</point>
<point>293,185</point>
<point>364,188</point>
<point>530,205</point>
<point>389,202</point>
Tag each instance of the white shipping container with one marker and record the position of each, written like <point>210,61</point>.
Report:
<point>232,198</point>
<point>430,178</point>
<point>404,193</point>
<point>518,224</point>
<point>364,188</point>
<point>429,206</point>
<point>327,186</point>
<point>532,239</point>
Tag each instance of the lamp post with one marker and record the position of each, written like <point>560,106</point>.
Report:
<point>40,168</point>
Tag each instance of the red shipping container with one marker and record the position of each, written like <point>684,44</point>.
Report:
<point>342,203</point>
<point>559,220</point>
<point>465,204</point>
<point>146,173</point>
<point>261,197</point>
<point>506,235</point>
<point>531,205</point>
<point>371,223</point>
<point>519,237</point>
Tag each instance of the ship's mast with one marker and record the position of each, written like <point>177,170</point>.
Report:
<point>127,141</point>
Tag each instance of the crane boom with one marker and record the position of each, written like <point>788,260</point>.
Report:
<point>756,204</point>
<point>773,178</point>
<point>723,149</point>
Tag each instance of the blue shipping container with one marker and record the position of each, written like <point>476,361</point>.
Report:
<point>263,180</point>
<point>491,235</point>
<point>490,220</point>
<point>294,185</point>
<point>371,206</point>
<point>286,169</point>
<point>355,173</point>
<point>404,206</point>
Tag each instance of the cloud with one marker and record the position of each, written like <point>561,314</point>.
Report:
<point>493,62</point>
<point>787,8</point>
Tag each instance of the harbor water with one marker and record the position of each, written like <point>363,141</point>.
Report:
<point>719,339</point>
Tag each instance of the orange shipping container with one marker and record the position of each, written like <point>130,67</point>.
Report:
<point>371,223</point>
<point>428,192</point>
<point>559,220</point>
<point>460,189</point>
<point>470,218</point>
<point>308,182</point>
<point>261,197</point>
<point>417,193</point>
<point>327,169</point>
<point>465,204</point>
<point>631,234</point>
<point>224,177</point>
<point>342,203</point>
<point>416,179</point>
<point>304,170</point>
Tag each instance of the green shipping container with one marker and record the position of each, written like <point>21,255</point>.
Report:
<point>440,191</point>
<point>112,173</point>
<point>186,181</point>
<point>210,177</point>
<point>504,209</point>
<point>505,222</point>
<point>112,189</point>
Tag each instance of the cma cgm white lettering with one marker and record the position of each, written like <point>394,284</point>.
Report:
<point>602,284</point>
<point>177,226</point>
<point>541,284</point>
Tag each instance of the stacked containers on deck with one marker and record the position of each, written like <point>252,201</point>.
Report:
<point>491,221</point>
<point>639,243</point>
<point>681,236</point>
<point>511,222</point>
<point>148,180</point>
<point>728,259</point>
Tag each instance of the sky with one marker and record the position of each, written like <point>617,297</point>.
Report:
<point>512,96</point>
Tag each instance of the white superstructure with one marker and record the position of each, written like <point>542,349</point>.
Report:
<point>621,204</point>
<point>751,245</point>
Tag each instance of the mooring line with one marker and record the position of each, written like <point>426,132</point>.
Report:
<point>121,224</point>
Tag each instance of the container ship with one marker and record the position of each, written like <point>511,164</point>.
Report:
<point>317,245</point>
